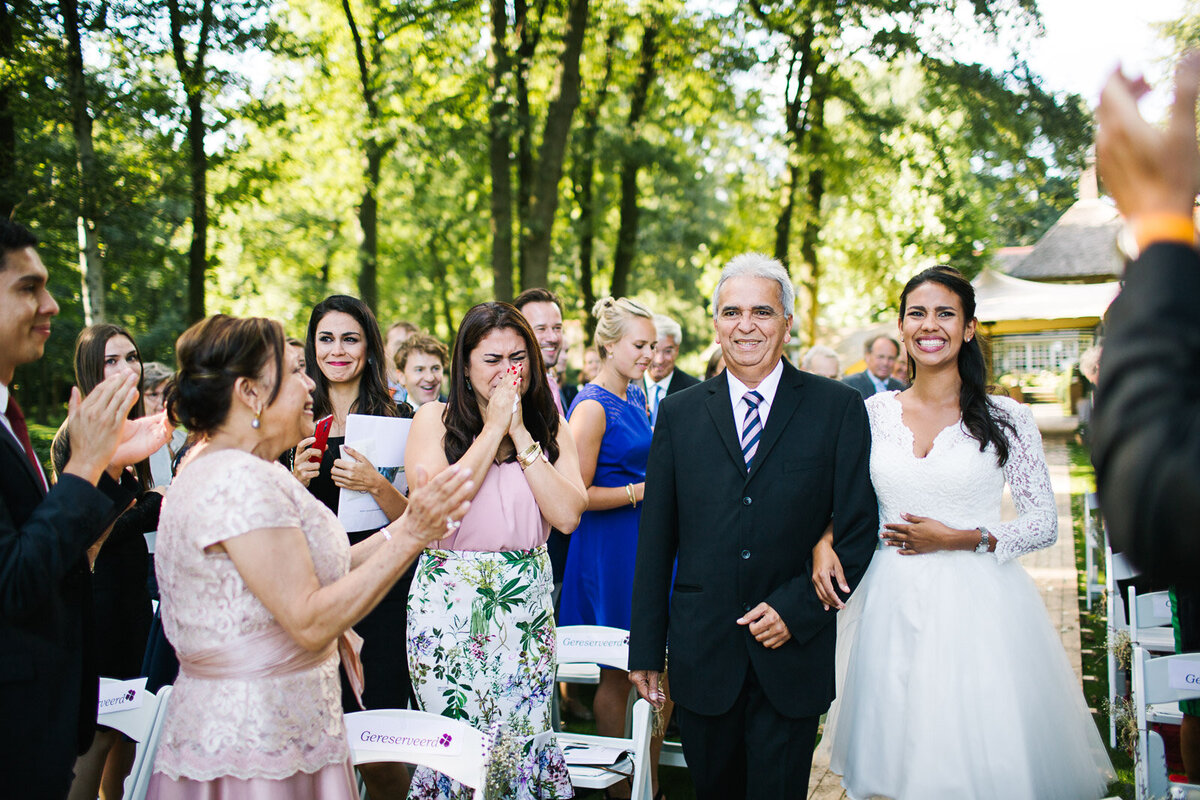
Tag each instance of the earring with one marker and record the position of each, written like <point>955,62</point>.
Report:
<point>256,423</point>
<point>467,382</point>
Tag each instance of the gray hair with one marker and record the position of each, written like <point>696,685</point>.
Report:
<point>154,373</point>
<point>757,265</point>
<point>819,351</point>
<point>664,326</point>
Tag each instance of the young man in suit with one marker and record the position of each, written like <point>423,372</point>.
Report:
<point>663,377</point>
<point>880,354</point>
<point>745,472</point>
<point>48,685</point>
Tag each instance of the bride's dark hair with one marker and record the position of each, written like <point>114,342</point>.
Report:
<point>978,414</point>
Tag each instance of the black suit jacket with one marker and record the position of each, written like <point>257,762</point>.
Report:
<point>680,380</point>
<point>1146,442</point>
<point>862,382</point>
<point>48,685</point>
<point>744,538</point>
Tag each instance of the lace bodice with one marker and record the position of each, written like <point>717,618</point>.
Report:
<point>958,485</point>
<point>268,727</point>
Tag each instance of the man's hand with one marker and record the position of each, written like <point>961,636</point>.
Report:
<point>140,439</point>
<point>96,424</point>
<point>1149,170</point>
<point>649,687</point>
<point>766,626</point>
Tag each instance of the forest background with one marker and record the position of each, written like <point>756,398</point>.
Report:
<point>184,157</point>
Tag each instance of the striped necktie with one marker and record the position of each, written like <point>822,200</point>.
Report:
<point>752,427</point>
<point>655,399</point>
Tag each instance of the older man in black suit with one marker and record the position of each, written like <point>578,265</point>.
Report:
<point>48,683</point>
<point>880,353</point>
<point>662,376</point>
<point>745,472</point>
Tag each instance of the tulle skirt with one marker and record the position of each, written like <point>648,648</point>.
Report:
<point>953,684</point>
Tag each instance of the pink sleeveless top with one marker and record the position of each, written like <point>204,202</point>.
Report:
<point>504,515</point>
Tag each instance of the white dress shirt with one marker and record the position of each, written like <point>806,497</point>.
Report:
<point>766,388</point>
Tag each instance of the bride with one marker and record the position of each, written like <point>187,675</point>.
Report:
<point>955,684</point>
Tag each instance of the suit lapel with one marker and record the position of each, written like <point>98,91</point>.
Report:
<point>721,411</point>
<point>18,454</point>
<point>787,398</point>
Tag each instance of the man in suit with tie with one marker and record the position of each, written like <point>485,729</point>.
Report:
<point>745,472</point>
<point>880,353</point>
<point>48,685</point>
<point>663,377</point>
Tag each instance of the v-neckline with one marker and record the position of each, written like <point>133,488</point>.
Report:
<point>912,437</point>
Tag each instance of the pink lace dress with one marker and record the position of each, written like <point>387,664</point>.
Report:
<point>252,714</point>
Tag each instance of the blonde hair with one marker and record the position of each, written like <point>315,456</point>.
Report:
<point>612,320</point>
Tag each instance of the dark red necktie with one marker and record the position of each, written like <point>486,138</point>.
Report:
<point>21,431</point>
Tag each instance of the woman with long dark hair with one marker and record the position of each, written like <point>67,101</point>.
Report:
<point>955,684</point>
<point>344,356</point>
<point>481,620</point>
<point>120,563</point>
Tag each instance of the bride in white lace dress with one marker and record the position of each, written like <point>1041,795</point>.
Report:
<point>952,682</point>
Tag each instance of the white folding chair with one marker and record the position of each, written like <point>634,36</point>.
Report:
<point>1116,568</point>
<point>1156,681</point>
<point>1093,529</point>
<point>450,746</point>
<point>126,706</point>
<point>1150,621</point>
<point>581,650</point>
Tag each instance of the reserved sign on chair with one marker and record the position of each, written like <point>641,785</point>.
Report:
<point>121,695</point>
<point>411,735</point>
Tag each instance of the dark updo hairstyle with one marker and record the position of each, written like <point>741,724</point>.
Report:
<point>89,372</point>
<point>373,395</point>
<point>978,414</point>
<point>462,417</point>
<point>212,355</point>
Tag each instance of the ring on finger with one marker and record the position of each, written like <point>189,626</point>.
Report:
<point>452,525</point>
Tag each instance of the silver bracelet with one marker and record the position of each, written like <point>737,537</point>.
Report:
<point>386,534</point>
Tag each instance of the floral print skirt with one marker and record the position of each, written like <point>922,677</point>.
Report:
<point>481,648</point>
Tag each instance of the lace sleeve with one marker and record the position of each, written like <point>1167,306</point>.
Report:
<point>244,497</point>
<point>1036,525</point>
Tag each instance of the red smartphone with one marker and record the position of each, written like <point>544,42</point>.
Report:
<point>324,424</point>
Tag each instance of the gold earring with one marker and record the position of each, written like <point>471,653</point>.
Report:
<point>256,423</point>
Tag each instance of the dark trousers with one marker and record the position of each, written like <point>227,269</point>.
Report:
<point>751,752</point>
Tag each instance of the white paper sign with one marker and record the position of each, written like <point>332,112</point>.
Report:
<point>381,441</point>
<point>584,754</point>
<point>121,696</point>
<point>601,647</point>
<point>412,735</point>
<point>1161,606</point>
<point>1184,674</point>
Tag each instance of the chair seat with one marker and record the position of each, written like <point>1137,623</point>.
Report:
<point>593,777</point>
<point>579,673</point>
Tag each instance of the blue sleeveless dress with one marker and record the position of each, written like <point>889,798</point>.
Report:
<point>598,581</point>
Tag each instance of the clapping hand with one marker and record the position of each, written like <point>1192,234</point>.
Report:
<point>141,438</point>
<point>436,506</point>
<point>1148,169</point>
<point>102,435</point>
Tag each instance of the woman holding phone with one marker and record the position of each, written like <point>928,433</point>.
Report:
<point>344,357</point>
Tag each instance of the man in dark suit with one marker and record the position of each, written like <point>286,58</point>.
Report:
<point>745,472</point>
<point>48,686</point>
<point>880,353</point>
<point>662,377</point>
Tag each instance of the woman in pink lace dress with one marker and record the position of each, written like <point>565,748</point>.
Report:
<point>259,583</point>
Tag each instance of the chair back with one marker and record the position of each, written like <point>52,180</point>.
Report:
<point>593,644</point>
<point>450,746</point>
<point>1166,679</point>
<point>1148,610</point>
<point>126,706</point>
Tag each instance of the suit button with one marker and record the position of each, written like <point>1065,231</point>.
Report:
<point>746,501</point>
<point>745,554</point>
<point>746,607</point>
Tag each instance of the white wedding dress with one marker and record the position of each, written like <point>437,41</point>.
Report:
<point>953,685</point>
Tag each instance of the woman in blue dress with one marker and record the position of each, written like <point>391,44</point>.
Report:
<point>612,431</point>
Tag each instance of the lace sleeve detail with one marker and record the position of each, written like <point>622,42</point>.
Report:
<point>1036,525</point>
<point>248,496</point>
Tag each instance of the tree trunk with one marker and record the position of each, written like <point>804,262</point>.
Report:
<point>91,266</point>
<point>544,199</point>
<point>585,175</point>
<point>498,155</point>
<point>631,163</point>
<point>524,124</point>
<point>816,192</point>
<point>193,78</point>
<point>798,95</point>
<point>9,186</point>
<point>368,221</point>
